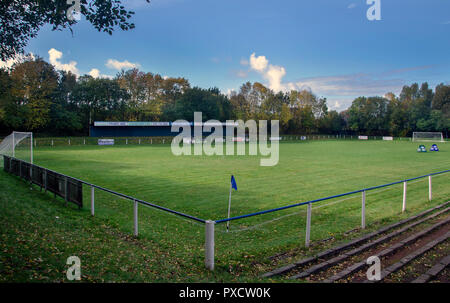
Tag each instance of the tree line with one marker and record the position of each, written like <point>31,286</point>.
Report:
<point>36,97</point>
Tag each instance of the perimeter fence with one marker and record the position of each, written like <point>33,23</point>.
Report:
<point>71,189</point>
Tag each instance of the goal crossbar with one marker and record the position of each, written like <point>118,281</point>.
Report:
<point>8,145</point>
<point>427,137</point>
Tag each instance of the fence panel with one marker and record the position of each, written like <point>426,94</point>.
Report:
<point>37,176</point>
<point>7,164</point>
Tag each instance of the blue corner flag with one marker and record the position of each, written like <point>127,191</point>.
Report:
<point>233,182</point>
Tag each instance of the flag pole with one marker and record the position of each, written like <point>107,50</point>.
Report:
<point>229,206</point>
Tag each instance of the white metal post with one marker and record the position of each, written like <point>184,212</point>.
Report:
<point>209,244</point>
<point>229,207</point>
<point>363,210</point>
<point>308,225</point>
<point>430,190</point>
<point>92,200</point>
<point>404,197</point>
<point>135,218</point>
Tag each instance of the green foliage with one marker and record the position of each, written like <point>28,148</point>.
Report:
<point>35,97</point>
<point>416,109</point>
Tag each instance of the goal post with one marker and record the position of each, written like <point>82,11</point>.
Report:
<point>427,137</point>
<point>17,144</point>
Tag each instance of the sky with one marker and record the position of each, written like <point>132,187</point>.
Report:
<point>327,46</point>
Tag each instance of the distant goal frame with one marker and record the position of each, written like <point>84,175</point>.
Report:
<point>427,137</point>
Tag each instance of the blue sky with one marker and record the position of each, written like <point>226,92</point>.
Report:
<point>328,46</point>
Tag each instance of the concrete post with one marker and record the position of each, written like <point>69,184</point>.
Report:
<point>136,218</point>
<point>430,190</point>
<point>209,244</point>
<point>308,225</point>
<point>404,197</point>
<point>363,210</point>
<point>92,200</point>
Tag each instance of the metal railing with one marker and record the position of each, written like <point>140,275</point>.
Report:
<point>94,186</point>
<point>209,224</point>
<point>209,246</point>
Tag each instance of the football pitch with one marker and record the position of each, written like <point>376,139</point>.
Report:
<point>199,186</point>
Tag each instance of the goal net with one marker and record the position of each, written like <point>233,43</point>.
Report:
<point>18,145</point>
<point>427,136</point>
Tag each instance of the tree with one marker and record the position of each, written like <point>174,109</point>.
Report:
<point>63,113</point>
<point>99,99</point>
<point>240,107</point>
<point>21,20</point>
<point>210,102</point>
<point>33,85</point>
<point>369,115</point>
<point>5,97</point>
<point>441,99</point>
<point>331,123</point>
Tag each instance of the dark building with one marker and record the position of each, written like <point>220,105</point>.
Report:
<point>143,129</point>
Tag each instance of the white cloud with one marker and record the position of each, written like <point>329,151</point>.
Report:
<point>95,73</point>
<point>19,58</point>
<point>119,65</point>
<point>272,73</point>
<point>351,5</point>
<point>55,56</point>
<point>360,84</point>
<point>229,92</point>
<point>258,63</point>
<point>340,90</point>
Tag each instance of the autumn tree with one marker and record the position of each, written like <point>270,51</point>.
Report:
<point>33,85</point>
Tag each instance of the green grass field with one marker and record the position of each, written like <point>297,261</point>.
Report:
<point>199,186</point>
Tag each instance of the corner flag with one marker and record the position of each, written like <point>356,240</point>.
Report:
<point>232,185</point>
